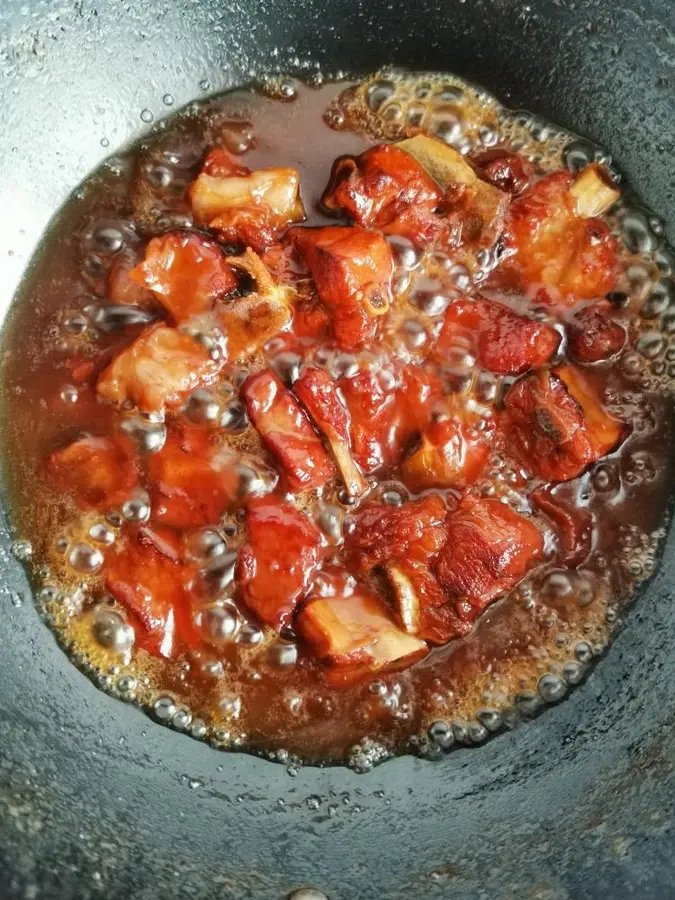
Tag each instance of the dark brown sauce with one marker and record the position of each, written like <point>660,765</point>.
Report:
<point>529,648</point>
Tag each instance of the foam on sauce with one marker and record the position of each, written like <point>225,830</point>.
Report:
<point>255,691</point>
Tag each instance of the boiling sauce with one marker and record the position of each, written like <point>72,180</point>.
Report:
<point>247,687</point>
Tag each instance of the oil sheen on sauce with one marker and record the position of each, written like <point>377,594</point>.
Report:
<point>256,691</point>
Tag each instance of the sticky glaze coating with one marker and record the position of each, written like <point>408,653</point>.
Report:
<point>348,441</point>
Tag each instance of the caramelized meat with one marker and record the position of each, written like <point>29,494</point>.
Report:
<point>501,340</point>
<point>317,392</point>
<point>414,531</point>
<point>387,409</point>
<point>477,207</point>
<point>426,228</point>
<point>508,171</point>
<point>574,526</point>
<point>352,270</point>
<point>489,548</point>
<point>243,206</point>
<point>452,453</point>
<point>421,604</point>
<point>159,369</point>
<point>355,635</point>
<point>419,394</point>
<point>98,472</point>
<point>248,225</point>
<point>286,431</point>
<point>605,431</point>
<point>281,261</point>
<point>186,272</point>
<point>373,410</point>
<point>380,185</point>
<point>546,242</point>
<point>277,562</point>
<point>556,424</point>
<point>250,321</point>
<point>193,479</point>
<point>593,336</point>
<point>123,288</point>
<point>311,320</point>
<point>147,578</point>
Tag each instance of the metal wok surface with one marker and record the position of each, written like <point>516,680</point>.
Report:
<point>97,801</point>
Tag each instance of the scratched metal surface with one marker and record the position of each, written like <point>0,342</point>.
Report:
<point>97,801</point>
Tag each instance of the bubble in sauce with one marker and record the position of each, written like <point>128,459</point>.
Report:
<point>149,436</point>
<point>528,703</point>
<point>126,684</point>
<point>249,635</point>
<point>217,576</point>
<point>69,394</point>
<point>441,734</point>
<point>219,623</point>
<point>287,366</point>
<point>202,406</point>
<point>415,334</point>
<point>22,550</point>
<point>446,123</point>
<point>112,317</point>
<point>551,688</point>
<point>213,668</point>
<point>136,509</point>
<point>198,728</point>
<point>111,631</point>
<point>164,708</point>
<point>181,718</point>
<point>204,543</point>
<point>329,521</point>
<point>234,418</point>
<point>430,297</point>
<point>84,558</point>
<point>230,706</point>
<point>490,719</point>
<point>283,655</point>
<point>637,233</point>
<point>101,534</point>
<point>404,252</point>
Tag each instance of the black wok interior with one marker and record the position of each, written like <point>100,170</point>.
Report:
<point>95,799</point>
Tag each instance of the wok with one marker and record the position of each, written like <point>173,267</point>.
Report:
<point>95,799</point>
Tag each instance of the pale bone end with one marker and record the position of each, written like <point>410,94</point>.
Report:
<point>593,191</point>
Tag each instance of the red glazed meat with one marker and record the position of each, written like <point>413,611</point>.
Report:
<point>286,431</point>
<point>193,479</point>
<point>548,244</point>
<point>414,531</point>
<point>352,270</point>
<point>501,340</point>
<point>186,272</point>
<point>317,392</point>
<point>488,550</point>
<point>593,335</point>
<point>146,576</point>
<point>277,561</point>
<point>98,472</point>
<point>556,425</point>
<point>159,369</point>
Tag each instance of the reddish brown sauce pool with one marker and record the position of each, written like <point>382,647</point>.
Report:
<point>259,681</point>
